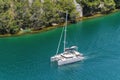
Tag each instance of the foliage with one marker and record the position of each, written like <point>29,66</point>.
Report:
<point>91,7</point>
<point>16,15</point>
<point>117,3</point>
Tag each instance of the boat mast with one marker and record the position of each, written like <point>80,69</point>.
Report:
<point>65,30</point>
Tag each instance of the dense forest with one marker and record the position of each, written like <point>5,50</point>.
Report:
<point>17,15</point>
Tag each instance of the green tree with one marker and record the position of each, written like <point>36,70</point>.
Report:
<point>117,3</point>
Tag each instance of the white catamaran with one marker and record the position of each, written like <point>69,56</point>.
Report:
<point>69,55</point>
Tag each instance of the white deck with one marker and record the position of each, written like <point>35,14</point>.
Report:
<point>67,58</point>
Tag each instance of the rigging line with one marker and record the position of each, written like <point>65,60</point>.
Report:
<point>65,30</point>
<point>60,41</point>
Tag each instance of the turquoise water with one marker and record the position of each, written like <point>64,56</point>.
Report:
<point>28,57</point>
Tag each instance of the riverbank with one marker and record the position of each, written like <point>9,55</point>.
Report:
<point>31,31</point>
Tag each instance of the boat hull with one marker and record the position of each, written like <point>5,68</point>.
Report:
<point>70,60</point>
<point>55,58</point>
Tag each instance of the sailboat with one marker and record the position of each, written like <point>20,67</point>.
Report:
<point>70,54</point>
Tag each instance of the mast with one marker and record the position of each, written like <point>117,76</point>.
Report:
<point>65,30</point>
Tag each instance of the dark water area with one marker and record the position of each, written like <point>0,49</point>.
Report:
<point>28,57</point>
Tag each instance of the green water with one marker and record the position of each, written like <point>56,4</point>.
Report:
<point>28,57</point>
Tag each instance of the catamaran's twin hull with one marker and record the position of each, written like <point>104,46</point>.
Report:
<point>69,61</point>
<point>55,58</point>
<point>66,61</point>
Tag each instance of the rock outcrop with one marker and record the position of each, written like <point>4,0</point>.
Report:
<point>79,8</point>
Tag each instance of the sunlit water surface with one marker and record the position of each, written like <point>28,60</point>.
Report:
<point>28,57</point>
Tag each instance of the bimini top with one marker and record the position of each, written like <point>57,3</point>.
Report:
<point>71,48</point>
<point>74,47</point>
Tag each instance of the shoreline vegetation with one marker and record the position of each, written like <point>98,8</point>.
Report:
<point>30,31</point>
<point>29,17</point>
